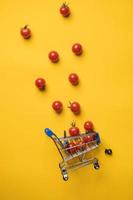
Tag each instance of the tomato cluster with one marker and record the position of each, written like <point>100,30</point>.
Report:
<point>80,143</point>
<point>74,130</point>
<point>75,146</point>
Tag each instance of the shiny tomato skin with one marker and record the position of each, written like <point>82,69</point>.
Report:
<point>25,32</point>
<point>65,10</point>
<point>53,56</point>
<point>73,78</point>
<point>72,147</point>
<point>80,145</point>
<point>75,107</point>
<point>74,131</point>
<point>87,139</point>
<point>77,49</point>
<point>88,126</point>
<point>40,83</point>
<point>57,106</point>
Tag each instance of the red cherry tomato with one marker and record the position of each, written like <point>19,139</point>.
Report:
<point>65,10</point>
<point>75,107</point>
<point>87,139</point>
<point>80,146</point>
<point>88,126</point>
<point>74,131</point>
<point>40,83</point>
<point>77,49</point>
<point>94,137</point>
<point>57,106</point>
<point>25,32</point>
<point>74,79</point>
<point>53,56</point>
<point>72,147</point>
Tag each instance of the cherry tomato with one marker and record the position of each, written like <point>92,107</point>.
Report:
<point>65,10</point>
<point>77,49</point>
<point>57,106</point>
<point>94,137</point>
<point>88,126</point>
<point>75,107</point>
<point>74,131</point>
<point>87,139</point>
<point>40,83</point>
<point>74,79</point>
<point>53,56</point>
<point>72,147</point>
<point>25,32</point>
<point>80,145</point>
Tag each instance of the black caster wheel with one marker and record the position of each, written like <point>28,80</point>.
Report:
<point>108,151</point>
<point>96,166</point>
<point>65,177</point>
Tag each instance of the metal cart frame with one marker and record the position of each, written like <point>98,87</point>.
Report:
<point>75,157</point>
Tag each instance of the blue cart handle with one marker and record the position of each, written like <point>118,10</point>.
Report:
<point>48,132</point>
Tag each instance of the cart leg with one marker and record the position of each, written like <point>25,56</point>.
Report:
<point>96,164</point>
<point>63,171</point>
<point>64,174</point>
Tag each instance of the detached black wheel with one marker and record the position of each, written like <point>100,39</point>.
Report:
<point>96,166</point>
<point>108,151</point>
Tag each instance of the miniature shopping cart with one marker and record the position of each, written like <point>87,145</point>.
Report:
<point>75,156</point>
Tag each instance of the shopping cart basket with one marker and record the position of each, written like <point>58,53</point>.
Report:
<point>74,156</point>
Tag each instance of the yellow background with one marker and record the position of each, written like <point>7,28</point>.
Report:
<point>28,159</point>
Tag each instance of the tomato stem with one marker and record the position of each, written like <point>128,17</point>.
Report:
<point>65,4</point>
<point>73,124</point>
<point>25,26</point>
<point>70,103</point>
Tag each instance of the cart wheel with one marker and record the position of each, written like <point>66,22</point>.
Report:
<point>108,151</point>
<point>65,177</point>
<point>96,166</point>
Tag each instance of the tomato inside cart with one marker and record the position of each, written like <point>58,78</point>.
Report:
<point>77,146</point>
